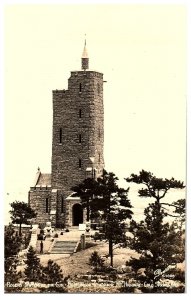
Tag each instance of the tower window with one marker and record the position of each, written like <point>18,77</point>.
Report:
<point>80,87</point>
<point>62,204</point>
<point>98,88</point>
<point>80,163</point>
<point>60,136</point>
<point>80,138</point>
<point>47,205</point>
<point>99,158</point>
<point>80,113</point>
<point>99,133</point>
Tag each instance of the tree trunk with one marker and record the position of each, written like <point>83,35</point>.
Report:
<point>111,252</point>
<point>20,229</point>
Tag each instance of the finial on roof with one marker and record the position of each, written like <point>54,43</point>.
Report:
<point>38,169</point>
<point>85,52</point>
<point>85,59</point>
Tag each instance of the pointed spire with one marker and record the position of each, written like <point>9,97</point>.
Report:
<point>85,59</point>
<point>85,52</point>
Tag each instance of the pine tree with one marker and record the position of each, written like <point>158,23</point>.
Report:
<point>158,243</point>
<point>86,191</point>
<point>21,213</point>
<point>12,276</point>
<point>156,188</point>
<point>12,242</point>
<point>114,207</point>
<point>33,270</point>
<point>96,260</point>
<point>12,246</point>
<point>52,276</point>
<point>104,200</point>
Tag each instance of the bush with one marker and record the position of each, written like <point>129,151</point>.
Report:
<point>40,237</point>
<point>52,275</point>
<point>98,236</point>
<point>41,231</point>
<point>96,260</point>
<point>56,235</point>
<point>27,239</point>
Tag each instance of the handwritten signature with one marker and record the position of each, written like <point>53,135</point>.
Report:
<point>159,272</point>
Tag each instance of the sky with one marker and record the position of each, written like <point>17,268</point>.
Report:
<point>142,52</point>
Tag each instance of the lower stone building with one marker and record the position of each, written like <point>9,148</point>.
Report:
<point>77,148</point>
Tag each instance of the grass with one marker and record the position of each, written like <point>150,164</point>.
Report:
<point>78,263</point>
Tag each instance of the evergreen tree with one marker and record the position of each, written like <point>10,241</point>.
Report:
<point>86,191</point>
<point>12,276</point>
<point>21,213</point>
<point>12,242</point>
<point>12,245</point>
<point>159,244</point>
<point>53,277</point>
<point>113,205</point>
<point>180,212</point>
<point>96,260</point>
<point>106,201</point>
<point>160,247</point>
<point>33,270</point>
<point>154,187</point>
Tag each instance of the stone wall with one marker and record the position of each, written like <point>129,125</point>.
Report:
<point>77,135</point>
<point>37,201</point>
<point>78,131</point>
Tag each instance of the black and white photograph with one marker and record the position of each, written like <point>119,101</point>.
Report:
<point>95,148</point>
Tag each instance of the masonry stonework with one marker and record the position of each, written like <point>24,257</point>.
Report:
<point>77,145</point>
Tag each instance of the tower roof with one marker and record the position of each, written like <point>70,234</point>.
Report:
<point>85,52</point>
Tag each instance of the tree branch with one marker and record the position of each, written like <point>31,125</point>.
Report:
<point>172,215</point>
<point>170,205</point>
<point>164,193</point>
<point>166,213</point>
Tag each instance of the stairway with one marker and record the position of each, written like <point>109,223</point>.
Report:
<point>63,247</point>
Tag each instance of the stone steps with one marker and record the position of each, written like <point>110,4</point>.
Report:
<point>62,247</point>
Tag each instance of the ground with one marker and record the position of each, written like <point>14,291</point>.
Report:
<point>77,266</point>
<point>78,263</point>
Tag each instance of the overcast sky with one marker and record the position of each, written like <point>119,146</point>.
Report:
<point>140,49</point>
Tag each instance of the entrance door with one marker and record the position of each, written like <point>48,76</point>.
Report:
<point>77,213</point>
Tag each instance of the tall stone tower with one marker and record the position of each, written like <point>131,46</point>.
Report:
<point>77,143</point>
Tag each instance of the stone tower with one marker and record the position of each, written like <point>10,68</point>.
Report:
<point>77,142</point>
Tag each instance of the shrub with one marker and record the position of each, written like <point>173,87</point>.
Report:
<point>56,235</point>
<point>98,236</point>
<point>27,239</point>
<point>52,275</point>
<point>96,260</point>
<point>40,237</point>
<point>33,267</point>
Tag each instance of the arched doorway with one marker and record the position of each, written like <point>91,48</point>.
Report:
<point>77,214</point>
